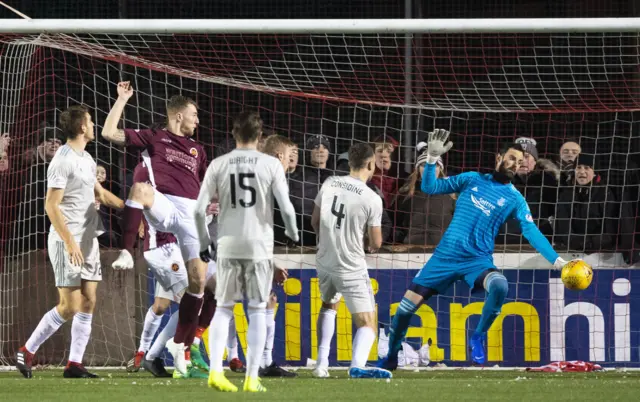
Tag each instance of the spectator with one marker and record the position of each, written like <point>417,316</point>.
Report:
<point>384,147</point>
<point>569,152</point>
<point>536,179</point>
<point>305,183</point>
<point>32,225</point>
<point>587,213</point>
<point>422,219</point>
<point>293,159</point>
<point>5,141</point>
<point>342,165</point>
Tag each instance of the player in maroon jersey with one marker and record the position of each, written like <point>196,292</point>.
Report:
<point>178,163</point>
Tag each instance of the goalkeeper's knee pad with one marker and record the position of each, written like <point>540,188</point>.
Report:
<point>496,284</point>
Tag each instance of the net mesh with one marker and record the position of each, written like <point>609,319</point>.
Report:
<point>486,88</point>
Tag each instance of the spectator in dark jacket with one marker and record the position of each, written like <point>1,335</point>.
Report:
<point>587,217</point>
<point>569,152</point>
<point>32,226</point>
<point>422,219</point>
<point>305,183</point>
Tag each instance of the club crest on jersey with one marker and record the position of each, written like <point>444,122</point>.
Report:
<point>193,152</point>
<point>483,205</point>
<point>501,202</point>
<point>175,267</point>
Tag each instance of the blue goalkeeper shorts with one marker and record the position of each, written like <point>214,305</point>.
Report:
<point>439,273</point>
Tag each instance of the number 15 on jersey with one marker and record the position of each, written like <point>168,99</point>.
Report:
<point>244,203</point>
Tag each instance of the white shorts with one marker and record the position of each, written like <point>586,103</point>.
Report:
<point>170,271</point>
<point>175,215</point>
<point>69,275</point>
<point>237,279</point>
<point>356,290</point>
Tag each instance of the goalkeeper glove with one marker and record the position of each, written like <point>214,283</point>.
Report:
<point>559,263</point>
<point>209,253</point>
<point>437,145</point>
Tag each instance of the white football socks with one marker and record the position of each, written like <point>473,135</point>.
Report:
<point>167,333</point>
<point>325,331</point>
<point>256,337</point>
<point>80,333</point>
<point>151,324</point>
<point>47,326</point>
<point>218,334</point>
<point>267,356</point>
<point>362,343</point>
<point>232,341</point>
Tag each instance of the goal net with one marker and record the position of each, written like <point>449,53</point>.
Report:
<point>486,88</point>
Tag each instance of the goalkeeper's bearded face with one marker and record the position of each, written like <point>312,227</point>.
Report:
<point>509,163</point>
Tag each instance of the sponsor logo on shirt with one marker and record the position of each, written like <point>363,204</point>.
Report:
<point>483,205</point>
<point>475,189</point>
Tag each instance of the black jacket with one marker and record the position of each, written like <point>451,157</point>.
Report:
<point>587,219</point>
<point>304,185</point>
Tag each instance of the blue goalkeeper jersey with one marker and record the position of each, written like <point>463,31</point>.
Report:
<point>483,205</point>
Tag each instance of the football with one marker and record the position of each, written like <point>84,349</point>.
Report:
<point>577,275</point>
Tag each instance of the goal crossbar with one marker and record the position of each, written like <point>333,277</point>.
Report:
<point>311,26</point>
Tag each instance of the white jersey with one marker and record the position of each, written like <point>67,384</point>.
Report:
<point>76,174</point>
<point>347,208</point>
<point>245,182</point>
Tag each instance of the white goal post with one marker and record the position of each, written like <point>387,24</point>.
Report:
<point>311,26</point>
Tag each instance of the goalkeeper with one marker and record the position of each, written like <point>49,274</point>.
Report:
<point>484,203</point>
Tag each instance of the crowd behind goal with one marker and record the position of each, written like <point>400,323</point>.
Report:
<point>569,200</point>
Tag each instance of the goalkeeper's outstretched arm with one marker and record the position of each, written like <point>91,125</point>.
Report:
<point>534,236</point>
<point>454,184</point>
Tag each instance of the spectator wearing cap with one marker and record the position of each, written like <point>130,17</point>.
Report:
<point>422,219</point>
<point>589,217</point>
<point>536,179</point>
<point>383,149</point>
<point>32,225</point>
<point>305,183</point>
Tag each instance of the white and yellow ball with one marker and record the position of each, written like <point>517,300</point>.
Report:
<point>577,275</point>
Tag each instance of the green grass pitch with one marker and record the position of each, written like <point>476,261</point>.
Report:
<point>406,386</point>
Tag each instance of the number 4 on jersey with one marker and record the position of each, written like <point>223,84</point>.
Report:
<point>339,213</point>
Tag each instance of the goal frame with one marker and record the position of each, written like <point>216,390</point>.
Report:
<point>310,26</point>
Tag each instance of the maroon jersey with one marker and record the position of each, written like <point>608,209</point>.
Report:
<point>141,175</point>
<point>178,163</point>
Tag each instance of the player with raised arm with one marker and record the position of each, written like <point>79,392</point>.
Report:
<point>179,164</point>
<point>465,252</point>
<point>345,210</point>
<point>73,242</point>
<point>245,181</point>
<point>163,257</point>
